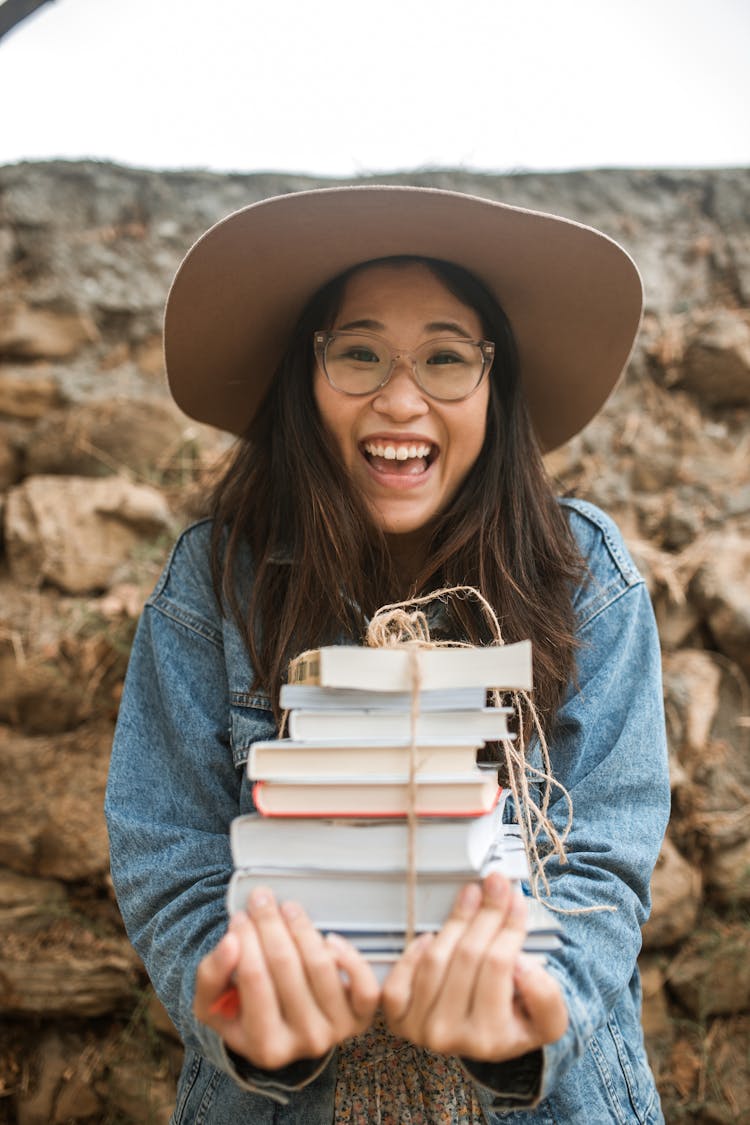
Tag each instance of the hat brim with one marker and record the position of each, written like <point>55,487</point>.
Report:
<point>573,296</point>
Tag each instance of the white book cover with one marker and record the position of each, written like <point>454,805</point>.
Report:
<point>346,899</point>
<point>313,697</point>
<point>291,759</point>
<point>441,844</point>
<point>505,667</point>
<point>342,901</point>
<point>486,724</point>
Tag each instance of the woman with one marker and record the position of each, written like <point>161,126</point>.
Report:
<point>395,360</point>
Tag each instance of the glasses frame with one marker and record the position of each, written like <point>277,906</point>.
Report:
<point>322,338</point>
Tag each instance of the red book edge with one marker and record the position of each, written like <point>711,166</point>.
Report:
<point>364,814</point>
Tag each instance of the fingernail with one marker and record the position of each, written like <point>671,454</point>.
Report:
<point>260,898</point>
<point>518,903</point>
<point>496,888</point>
<point>471,896</point>
<point>238,921</point>
<point>290,910</point>
<point>523,964</point>
<point>338,941</point>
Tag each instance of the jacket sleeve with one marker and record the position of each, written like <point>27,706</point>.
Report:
<point>172,792</point>
<point>609,751</point>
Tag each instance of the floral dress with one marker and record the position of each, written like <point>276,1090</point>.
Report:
<point>383,1080</point>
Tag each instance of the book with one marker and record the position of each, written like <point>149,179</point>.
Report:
<point>487,724</point>
<point>332,800</point>
<point>463,794</point>
<point>349,903</point>
<point>440,844</point>
<point>507,667</point>
<point>312,697</point>
<point>287,759</point>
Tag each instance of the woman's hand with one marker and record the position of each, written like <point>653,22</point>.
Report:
<point>469,990</point>
<point>293,1001</point>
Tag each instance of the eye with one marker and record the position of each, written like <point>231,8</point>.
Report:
<point>360,354</point>
<point>445,356</point>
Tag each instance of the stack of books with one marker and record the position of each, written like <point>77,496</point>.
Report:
<point>364,790</point>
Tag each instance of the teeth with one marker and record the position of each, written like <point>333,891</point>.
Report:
<point>397,452</point>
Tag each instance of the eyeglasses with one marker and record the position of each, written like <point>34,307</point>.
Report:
<point>360,363</point>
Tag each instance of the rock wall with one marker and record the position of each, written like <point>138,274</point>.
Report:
<point>97,473</point>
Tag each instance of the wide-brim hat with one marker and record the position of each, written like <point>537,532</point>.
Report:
<point>573,296</point>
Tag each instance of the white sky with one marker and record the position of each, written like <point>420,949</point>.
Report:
<point>338,87</point>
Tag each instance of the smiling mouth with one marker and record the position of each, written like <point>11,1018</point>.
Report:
<point>403,458</point>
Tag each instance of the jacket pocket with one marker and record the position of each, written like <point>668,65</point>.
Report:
<point>626,1076</point>
<point>194,1091</point>
<point>250,720</point>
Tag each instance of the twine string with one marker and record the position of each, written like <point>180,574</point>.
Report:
<point>411,855</point>
<point>405,624</point>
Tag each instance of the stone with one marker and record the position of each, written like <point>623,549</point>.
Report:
<point>140,1100</point>
<point>716,366</point>
<point>705,703</point>
<point>38,697</point>
<point>76,1100</point>
<point>37,1106</point>
<point>10,458</point>
<point>61,1090</point>
<point>42,333</point>
<point>53,796</point>
<point>711,973</point>
<point>675,619</point>
<point>721,591</point>
<point>655,1020</point>
<point>27,903</point>
<point>691,688</point>
<point>66,676</point>
<point>75,532</point>
<point>149,356</point>
<point>676,899</point>
<point>727,873</point>
<point>158,1016</point>
<point>64,984</point>
<point>28,393</point>
<point>99,438</point>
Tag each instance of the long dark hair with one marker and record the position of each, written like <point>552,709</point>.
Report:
<point>320,566</point>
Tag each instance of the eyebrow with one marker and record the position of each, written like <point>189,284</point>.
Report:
<point>449,326</point>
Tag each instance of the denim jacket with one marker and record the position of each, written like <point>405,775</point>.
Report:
<point>177,778</point>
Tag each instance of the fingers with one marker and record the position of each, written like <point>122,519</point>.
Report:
<point>433,965</point>
<point>541,1000</point>
<point>340,980</point>
<point>455,993</point>
<point>214,976</point>
<point>490,943</point>
<point>285,939</point>
<point>494,980</point>
<point>363,989</point>
<point>414,985</point>
<point>397,990</point>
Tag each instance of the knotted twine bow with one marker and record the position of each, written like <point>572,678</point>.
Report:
<point>404,624</point>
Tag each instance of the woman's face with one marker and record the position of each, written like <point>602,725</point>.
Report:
<point>407,305</point>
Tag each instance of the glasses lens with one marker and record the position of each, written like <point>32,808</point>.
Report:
<point>356,363</point>
<point>449,369</point>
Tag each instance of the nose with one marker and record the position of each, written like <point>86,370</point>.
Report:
<point>401,397</point>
